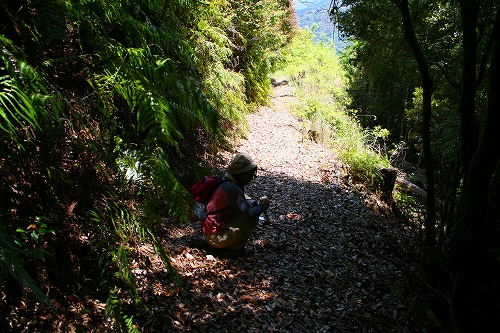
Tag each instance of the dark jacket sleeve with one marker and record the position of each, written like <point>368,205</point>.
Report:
<point>244,206</point>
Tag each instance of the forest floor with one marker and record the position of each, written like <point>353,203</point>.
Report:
<point>342,274</point>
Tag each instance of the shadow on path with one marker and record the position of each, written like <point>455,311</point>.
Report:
<point>346,283</point>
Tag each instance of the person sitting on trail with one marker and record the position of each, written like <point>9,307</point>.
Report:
<point>231,215</point>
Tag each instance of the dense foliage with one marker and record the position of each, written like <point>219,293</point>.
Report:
<point>108,109</point>
<point>428,71</point>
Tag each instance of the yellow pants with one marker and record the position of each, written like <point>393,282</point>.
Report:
<point>235,236</point>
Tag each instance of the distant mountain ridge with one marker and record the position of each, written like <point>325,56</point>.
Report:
<point>317,12</point>
<point>311,5</point>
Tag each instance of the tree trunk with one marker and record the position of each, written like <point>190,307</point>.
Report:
<point>468,122</point>
<point>470,248</point>
<point>430,222</point>
<point>477,182</point>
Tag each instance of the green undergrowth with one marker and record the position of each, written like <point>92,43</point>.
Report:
<point>322,103</point>
<point>109,111</point>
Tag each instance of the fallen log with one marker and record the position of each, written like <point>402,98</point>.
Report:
<point>410,188</point>
<point>279,83</point>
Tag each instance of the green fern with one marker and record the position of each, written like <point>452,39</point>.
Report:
<point>24,94</point>
<point>174,275</point>
<point>123,225</point>
<point>158,74</point>
<point>223,86</point>
<point>12,263</point>
<point>115,310</point>
<point>15,107</point>
<point>50,22</point>
<point>124,261</point>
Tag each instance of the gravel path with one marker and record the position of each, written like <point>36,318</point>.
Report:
<point>335,275</point>
<point>278,143</point>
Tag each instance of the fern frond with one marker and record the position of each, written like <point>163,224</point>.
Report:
<point>12,263</point>
<point>16,108</point>
<point>50,21</point>
<point>114,309</point>
<point>117,226</point>
<point>124,261</point>
<point>174,275</point>
<point>25,95</point>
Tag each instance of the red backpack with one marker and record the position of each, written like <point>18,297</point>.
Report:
<point>203,188</point>
<point>201,192</point>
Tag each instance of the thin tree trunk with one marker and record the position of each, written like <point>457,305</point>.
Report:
<point>468,122</point>
<point>449,206</point>
<point>430,223</point>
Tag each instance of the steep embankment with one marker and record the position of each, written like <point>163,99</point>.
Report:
<point>340,278</point>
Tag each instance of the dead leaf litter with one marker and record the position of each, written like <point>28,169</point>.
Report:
<point>337,273</point>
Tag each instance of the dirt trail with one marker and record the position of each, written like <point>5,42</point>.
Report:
<point>278,143</point>
<point>345,283</point>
